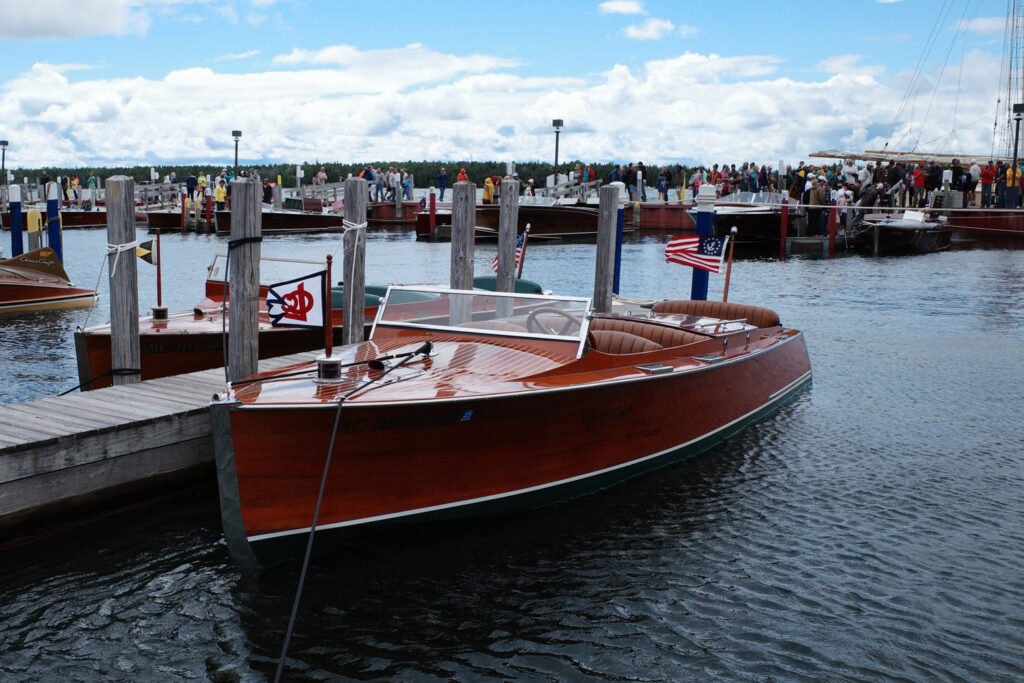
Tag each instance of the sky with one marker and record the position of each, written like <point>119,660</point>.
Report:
<point>141,82</point>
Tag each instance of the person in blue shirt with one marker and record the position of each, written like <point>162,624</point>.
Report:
<point>442,181</point>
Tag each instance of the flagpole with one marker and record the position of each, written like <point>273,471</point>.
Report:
<point>159,265</point>
<point>728,265</point>
<point>522,259</point>
<point>328,313</point>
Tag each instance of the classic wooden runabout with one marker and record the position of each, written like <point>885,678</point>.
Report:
<point>36,281</point>
<point>469,402</point>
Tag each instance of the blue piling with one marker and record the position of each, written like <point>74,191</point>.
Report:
<point>17,247</point>
<point>705,226</point>
<point>53,235</point>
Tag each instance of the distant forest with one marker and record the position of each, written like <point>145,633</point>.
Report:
<point>424,172</point>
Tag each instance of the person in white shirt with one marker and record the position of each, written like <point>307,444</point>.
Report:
<point>975,172</point>
<point>850,171</point>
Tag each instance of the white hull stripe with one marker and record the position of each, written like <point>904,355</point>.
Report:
<point>778,395</point>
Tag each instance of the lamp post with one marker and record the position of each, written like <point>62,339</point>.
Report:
<point>3,174</point>
<point>1018,114</point>
<point>237,135</point>
<point>557,125</point>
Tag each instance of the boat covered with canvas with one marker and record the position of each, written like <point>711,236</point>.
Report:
<point>465,402</point>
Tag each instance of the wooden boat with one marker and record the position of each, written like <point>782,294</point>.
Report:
<point>546,221</point>
<point>36,281</point>
<point>194,340</point>
<point>757,217</point>
<point>73,218</point>
<point>285,220</point>
<point>384,212</point>
<point>885,233</point>
<point>464,403</point>
<point>987,224</point>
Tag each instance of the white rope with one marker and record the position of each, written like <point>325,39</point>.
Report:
<point>111,249</point>
<point>349,225</point>
<point>116,249</point>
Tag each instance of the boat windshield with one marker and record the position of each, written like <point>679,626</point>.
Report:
<point>752,198</point>
<point>502,314</point>
<point>272,270</point>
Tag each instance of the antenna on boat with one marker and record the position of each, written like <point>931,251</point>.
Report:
<point>328,368</point>
<point>728,266</point>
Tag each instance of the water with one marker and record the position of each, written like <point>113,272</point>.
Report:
<point>872,529</point>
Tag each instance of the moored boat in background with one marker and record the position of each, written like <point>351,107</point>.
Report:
<point>36,281</point>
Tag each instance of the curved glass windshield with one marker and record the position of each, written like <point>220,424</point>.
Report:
<point>492,313</point>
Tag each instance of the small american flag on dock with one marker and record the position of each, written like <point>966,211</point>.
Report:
<point>520,241</point>
<point>337,205</point>
<point>700,251</point>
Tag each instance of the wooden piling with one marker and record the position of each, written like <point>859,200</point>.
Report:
<point>604,269</point>
<point>463,246</point>
<point>783,227</point>
<point>399,191</point>
<point>833,218</point>
<point>357,196</point>
<point>244,285</point>
<point>508,226</point>
<point>125,356</point>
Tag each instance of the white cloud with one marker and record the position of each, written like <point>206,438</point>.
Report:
<point>693,107</point>
<point>240,55</point>
<point>685,30</point>
<point>44,19</point>
<point>621,7</point>
<point>993,26</point>
<point>652,29</point>
<point>888,2</point>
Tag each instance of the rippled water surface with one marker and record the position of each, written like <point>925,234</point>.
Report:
<point>871,529</point>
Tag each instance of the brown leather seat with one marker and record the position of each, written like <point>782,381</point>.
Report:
<point>659,334</point>
<point>611,341</point>
<point>724,310</point>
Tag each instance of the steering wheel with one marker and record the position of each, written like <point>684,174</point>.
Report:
<point>533,325</point>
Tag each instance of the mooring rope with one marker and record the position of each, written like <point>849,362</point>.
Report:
<point>424,349</point>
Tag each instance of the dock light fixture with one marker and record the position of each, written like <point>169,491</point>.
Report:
<point>237,135</point>
<point>557,125</point>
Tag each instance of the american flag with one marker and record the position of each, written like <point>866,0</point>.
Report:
<point>337,205</point>
<point>703,251</point>
<point>520,242</point>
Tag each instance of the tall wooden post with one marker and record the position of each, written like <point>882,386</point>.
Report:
<point>833,218</point>
<point>508,226</point>
<point>357,196</point>
<point>463,246</point>
<point>244,285</point>
<point>399,191</point>
<point>783,227</point>
<point>124,281</point>
<point>604,268</point>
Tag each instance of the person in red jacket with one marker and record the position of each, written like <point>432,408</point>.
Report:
<point>920,194</point>
<point>462,176</point>
<point>988,175</point>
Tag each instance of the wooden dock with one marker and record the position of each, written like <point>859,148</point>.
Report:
<point>60,454</point>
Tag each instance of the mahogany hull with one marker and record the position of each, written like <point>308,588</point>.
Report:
<point>21,297</point>
<point>384,212</point>
<point>418,460</point>
<point>287,221</point>
<point>70,220</point>
<point>983,225</point>
<point>544,221</point>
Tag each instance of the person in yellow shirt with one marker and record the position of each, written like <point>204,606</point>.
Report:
<point>220,194</point>
<point>488,197</point>
<point>1012,186</point>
